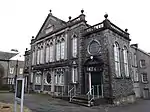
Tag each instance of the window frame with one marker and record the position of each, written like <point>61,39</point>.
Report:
<point>125,61</point>
<point>143,77</point>
<point>117,60</point>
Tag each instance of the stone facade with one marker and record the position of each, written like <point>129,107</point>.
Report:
<point>141,86</point>
<point>8,68</point>
<point>94,61</point>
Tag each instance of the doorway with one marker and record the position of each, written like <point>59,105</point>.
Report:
<point>96,83</point>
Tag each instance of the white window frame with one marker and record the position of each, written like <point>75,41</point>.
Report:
<point>117,59</point>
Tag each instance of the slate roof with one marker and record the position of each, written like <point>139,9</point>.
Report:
<point>6,55</point>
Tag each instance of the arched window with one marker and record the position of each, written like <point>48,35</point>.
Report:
<point>62,49</point>
<point>38,55</point>
<point>74,46</point>
<point>125,56</point>
<point>51,51</point>
<point>47,53</point>
<point>58,50</point>
<point>117,59</point>
<point>48,78</point>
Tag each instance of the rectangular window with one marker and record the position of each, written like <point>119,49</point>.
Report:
<point>58,51</point>
<point>33,58</point>
<point>142,63</point>
<point>38,79</point>
<point>135,60</point>
<point>51,53</point>
<point>13,81</point>
<point>31,77</point>
<point>47,54</point>
<point>56,79</point>
<point>74,75</point>
<point>38,56</point>
<point>41,56</point>
<point>136,77</point>
<point>62,49</point>
<point>21,71</point>
<point>11,70</point>
<point>144,77</point>
<point>74,47</point>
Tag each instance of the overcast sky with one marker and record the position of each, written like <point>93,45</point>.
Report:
<point>22,19</point>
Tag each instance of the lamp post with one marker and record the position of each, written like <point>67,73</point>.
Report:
<point>16,72</point>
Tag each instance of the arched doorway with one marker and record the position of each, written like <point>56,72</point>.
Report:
<point>93,69</point>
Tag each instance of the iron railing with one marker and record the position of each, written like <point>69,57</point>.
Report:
<point>72,93</point>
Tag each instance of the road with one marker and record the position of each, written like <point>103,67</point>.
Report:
<point>45,103</point>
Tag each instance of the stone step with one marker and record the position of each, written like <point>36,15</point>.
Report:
<point>81,102</point>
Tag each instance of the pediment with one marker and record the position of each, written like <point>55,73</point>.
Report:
<point>51,23</point>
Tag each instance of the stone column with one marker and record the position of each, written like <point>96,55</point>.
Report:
<point>52,81</point>
<point>42,81</point>
<point>34,75</point>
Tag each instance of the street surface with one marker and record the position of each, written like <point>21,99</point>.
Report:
<point>45,103</point>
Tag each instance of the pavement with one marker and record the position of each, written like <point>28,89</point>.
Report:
<point>45,103</point>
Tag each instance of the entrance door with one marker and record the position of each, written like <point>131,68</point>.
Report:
<point>96,81</point>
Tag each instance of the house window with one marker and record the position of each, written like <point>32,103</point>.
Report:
<point>51,50</point>
<point>74,75</point>
<point>63,49</point>
<point>142,63</point>
<point>58,51</point>
<point>117,60</point>
<point>136,77</point>
<point>21,71</point>
<point>125,56</point>
<point>144,77</point>
<point>11,70</point>
<point>74,46</point>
